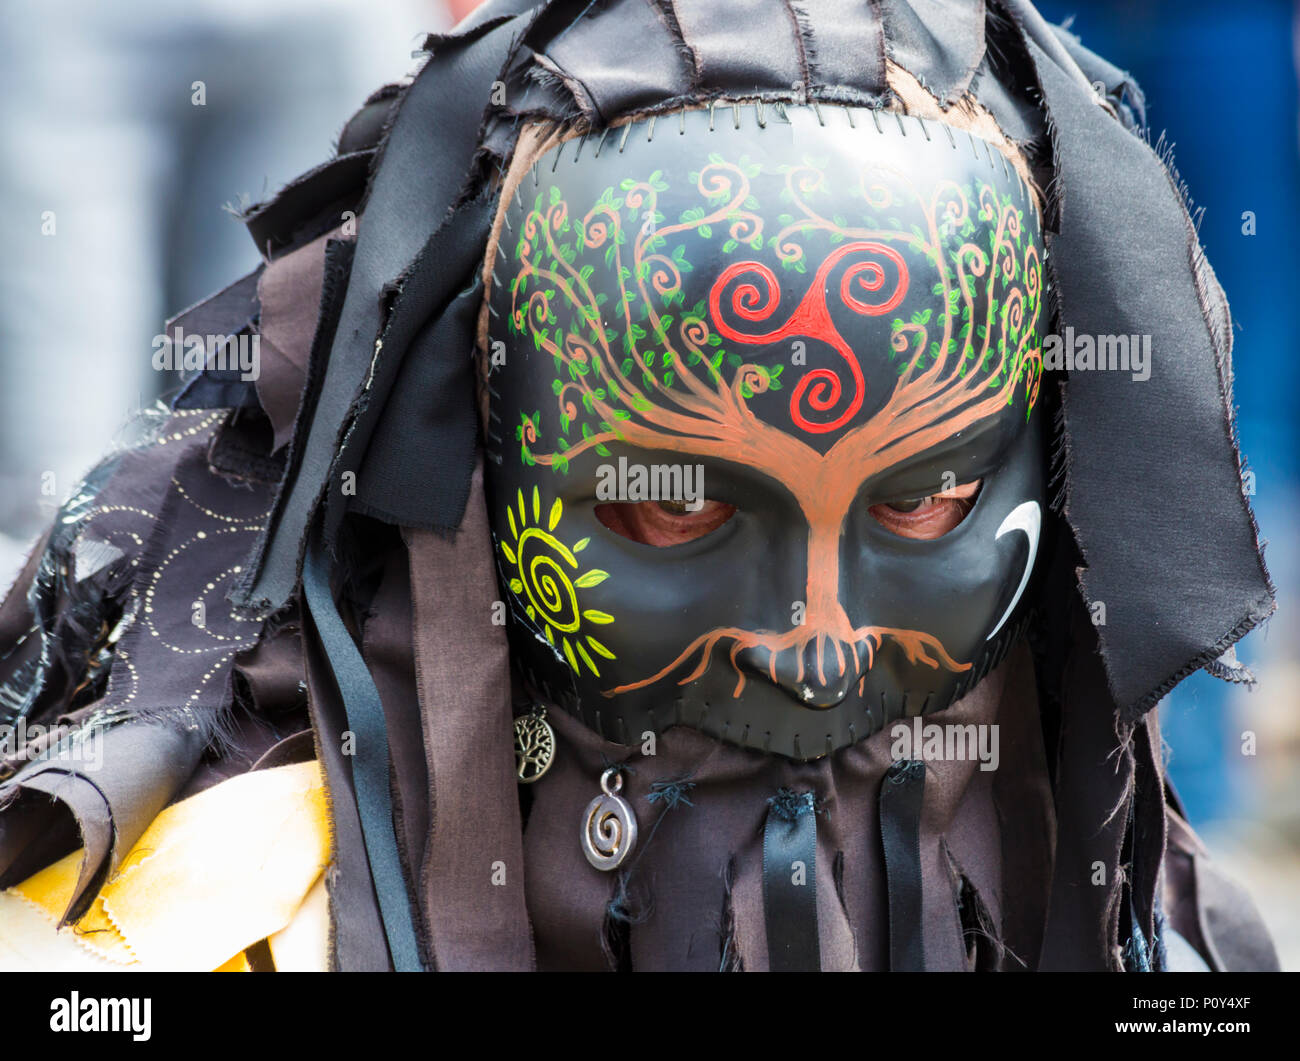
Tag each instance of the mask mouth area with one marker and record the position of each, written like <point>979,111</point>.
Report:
<point>811,675</point>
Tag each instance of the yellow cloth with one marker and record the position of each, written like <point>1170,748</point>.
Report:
<point>240,862</point>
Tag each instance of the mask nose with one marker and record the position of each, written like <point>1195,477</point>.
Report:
<point>817,674</point>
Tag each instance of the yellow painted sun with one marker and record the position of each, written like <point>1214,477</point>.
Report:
<point>546,582</point>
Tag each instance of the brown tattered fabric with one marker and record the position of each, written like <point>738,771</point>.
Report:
<point>289,293</point>
<point>472,876</point>
<point>692,888</point>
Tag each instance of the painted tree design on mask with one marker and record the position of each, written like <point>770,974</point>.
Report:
<point>637,365</point>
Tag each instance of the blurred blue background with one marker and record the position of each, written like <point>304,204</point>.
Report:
<point>103,138</point>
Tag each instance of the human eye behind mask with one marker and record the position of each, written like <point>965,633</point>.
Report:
<point>673,522</point>
<point>774,467</point>
<point>929,517</point>
<point>664,523</point>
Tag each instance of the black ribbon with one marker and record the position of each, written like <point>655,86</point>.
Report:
<point>414,452</point>
<point>902,793</point>
<point>370,764</point>
<point>790,883</point>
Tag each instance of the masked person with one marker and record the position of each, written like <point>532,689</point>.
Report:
<point>666,529</point>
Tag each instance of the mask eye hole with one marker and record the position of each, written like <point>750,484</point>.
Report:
<point>663,523</point>
<point>930,517</point>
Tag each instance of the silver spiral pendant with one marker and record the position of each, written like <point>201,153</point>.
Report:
<point>609,826</point>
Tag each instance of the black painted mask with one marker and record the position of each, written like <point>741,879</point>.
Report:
<point>765,456</point>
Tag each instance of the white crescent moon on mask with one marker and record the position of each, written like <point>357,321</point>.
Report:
<point>1025,517</point>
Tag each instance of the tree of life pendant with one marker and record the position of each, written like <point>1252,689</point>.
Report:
<point>534,746</point>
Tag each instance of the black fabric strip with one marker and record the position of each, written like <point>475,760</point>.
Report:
<point>844,44</point>
<point>227,314</point>
<point>902,793</point>
<point>746,46</point>
<point>1047,38</point>
<point>413,446</point>
<point>287,220</point>
<point>217,390</point>
<point>1191,555</point>
<point>790,883</point>
<point>425,160</point>
<point>365,129</point>
<point>1121,89</point>
<point>1149,829</point>
<point>938,41</point>
<point>625,57</point>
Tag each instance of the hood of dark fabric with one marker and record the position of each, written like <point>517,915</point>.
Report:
<point>401,416</point>
<point>1152,522</point>
<point>394,405</point>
